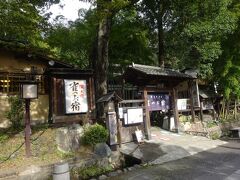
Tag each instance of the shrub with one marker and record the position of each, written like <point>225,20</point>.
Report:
<point>211,124</point>
<point>89,172</point>
<point>215,135</point>
<point>16,112</point>
<point>95,134</point>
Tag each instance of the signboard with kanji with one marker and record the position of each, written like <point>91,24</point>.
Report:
<point>158,102</point>
<point>75,96</point>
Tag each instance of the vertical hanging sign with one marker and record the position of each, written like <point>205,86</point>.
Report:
<point>75,96</point>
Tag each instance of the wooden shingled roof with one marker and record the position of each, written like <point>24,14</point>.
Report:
<point>158,71</point>
<point>143,74</point>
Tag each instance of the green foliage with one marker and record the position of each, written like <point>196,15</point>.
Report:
<point>129,45</point>
<point>227,68</point>
<point>215,135</point>
<point>21,21</point>
<point>91,171</point>
<point>16,112</point>
<point>192,31</point>
<point>95,134</point>
<point>210,22</point>
<point>65,155</point>
<point>185,119</point>
<point>24,25</point>
<point>73,43</point>
<point>211,124</point>
<point>3,137</point>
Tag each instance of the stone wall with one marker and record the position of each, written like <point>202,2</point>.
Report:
<point>45,172</point>
<point>201,129</point>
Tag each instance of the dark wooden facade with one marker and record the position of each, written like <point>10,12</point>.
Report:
<point>57,100</point>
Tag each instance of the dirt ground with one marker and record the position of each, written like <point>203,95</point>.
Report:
<point>43,148</point>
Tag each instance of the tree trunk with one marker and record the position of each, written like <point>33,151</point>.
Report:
<point>235,109</point>
<point>100,60</point>
<point>223,109</point>
<point>228,109</point>
<point>160,38</point>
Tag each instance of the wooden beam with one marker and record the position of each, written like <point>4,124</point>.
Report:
<point>190,84</point>
<point>175,109</point>
<point>147,124</point>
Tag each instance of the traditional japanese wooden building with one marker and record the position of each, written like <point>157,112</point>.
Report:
<point>65,93</point>
<point>161,88</point>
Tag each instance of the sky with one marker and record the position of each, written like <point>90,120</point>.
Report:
<point>69,9</point>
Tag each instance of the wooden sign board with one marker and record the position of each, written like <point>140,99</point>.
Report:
<point>75,96</point>
<point>134,116</point>
<point>139,136</point>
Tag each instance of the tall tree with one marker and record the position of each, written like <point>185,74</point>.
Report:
<point>106,10</point>
<point>21,21</point>
<point>227,68</point>
<point>72,43</point>
<point>210,22</point>
<point>157,14</point>
<point>129,39</point>
<point>188,31</point>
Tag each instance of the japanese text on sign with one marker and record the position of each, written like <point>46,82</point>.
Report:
<point>75,96</point>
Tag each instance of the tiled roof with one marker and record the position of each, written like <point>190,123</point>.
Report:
<point>158,71</point>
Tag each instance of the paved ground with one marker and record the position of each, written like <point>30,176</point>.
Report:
<point>166,146</point>
<point>220,163</point>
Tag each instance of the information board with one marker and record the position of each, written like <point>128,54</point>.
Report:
<point>134,116</point>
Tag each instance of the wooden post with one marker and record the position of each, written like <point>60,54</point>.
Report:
<point>147,124</point>
<point>213,111</point>
<point>90,93</point>
<point>93,93</point>
<point>27,128</point>
<point>8,85</point>
<point>191,100</point>
<point>201,110</point>
<point>51,97</point>
<point>175,110</point>
<point>119,127</point>
<point>54,97</point>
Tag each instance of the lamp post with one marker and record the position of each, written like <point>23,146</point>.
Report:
<point>28,91</point>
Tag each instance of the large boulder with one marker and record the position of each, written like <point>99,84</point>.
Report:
<point>102,150</point>
<point>214,132</point>
<point>69,138</point>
